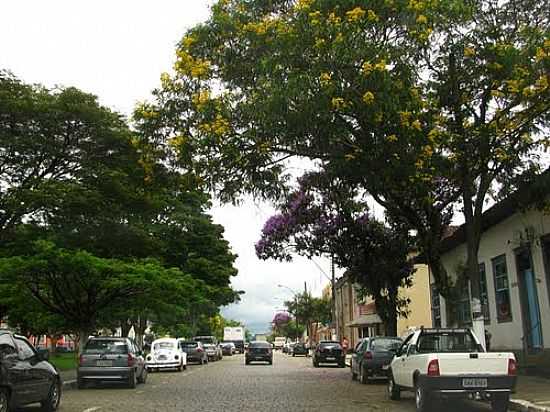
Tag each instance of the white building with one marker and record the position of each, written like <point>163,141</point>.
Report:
<point>514,258</point>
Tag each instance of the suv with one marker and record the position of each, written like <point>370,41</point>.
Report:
<point>26,376</point>
<point>111,359</point>
<point>329,352</point>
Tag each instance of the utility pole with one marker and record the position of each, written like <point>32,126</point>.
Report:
<point>334,322</point>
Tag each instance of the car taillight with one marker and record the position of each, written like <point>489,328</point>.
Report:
<point>367,355</point>
<point>433,368</point>
<point>131,360</point>
<point>199,350</point>
<point>512,367</point>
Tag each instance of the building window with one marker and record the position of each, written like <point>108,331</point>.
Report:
<point>502,289</point>
<point>483,292</point>
<point>463,307</point>
<point>436,307</point>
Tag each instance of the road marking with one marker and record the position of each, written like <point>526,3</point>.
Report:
<point>95,408</point>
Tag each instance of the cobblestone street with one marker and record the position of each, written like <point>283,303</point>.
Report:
<point>291,384</point>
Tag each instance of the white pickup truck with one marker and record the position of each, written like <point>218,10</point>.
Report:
<point>439,364</point>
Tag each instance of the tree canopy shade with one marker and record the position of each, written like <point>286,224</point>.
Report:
<point>115,235</point>
<point>425,104</point>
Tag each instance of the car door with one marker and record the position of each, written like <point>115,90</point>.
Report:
<point>13,374</point>
<point>398,364</point>
<point>34,380</point>
<point>358,356</point>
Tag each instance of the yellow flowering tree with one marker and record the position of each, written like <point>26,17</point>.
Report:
<point>423,103</point>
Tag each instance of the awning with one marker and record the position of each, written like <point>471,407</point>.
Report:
<point>364,320</point>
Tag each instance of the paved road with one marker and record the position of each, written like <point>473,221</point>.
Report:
<point>291,384</point>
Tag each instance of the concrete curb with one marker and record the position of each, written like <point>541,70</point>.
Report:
<point>526,406</point>
<point>69,385</point>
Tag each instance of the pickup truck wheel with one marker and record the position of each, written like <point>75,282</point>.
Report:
<point>422,399</point>
<point>499,403</point>
<point>394,391</point>
<point>4,401</point>
<point>132,380</point>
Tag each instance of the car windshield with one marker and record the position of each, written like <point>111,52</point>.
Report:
<point>385,344</point>
<point>207,346</point>
<point>442,342</point>
<point>189,344</point>
<point>106,346</point>
<point>163,345</point>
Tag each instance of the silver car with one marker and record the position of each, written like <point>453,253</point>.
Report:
<point>195,351</point>
<point>111,359</point>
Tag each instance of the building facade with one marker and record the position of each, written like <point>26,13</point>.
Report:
<point>514,263</point>
<point>357,317</point>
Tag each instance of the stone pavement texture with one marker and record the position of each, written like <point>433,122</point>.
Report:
<point>291,384</point>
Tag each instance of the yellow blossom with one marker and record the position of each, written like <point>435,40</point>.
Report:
<point>188,65</point>
<point>367,68</point>
<point>303,5</point>
<point>188,41</point>
<point>497,93</point>
<point>378,117</point>
<point>513,86</point>
<point>380,66</point>
<point>541,54</point>
<point>165,80</point>
<point>391,138</point>
<point>547,43</point>
<point>368,97</point>
<point>334,19</point>
<point>338,103</point>
<point>356,14</point>
<point>325,78</point>
<point>405,116</point>
<point>542,83</point>
<point>469,52</point>
<point>416,125</point>
<point>200,99</point>
<point>421,19</point>
<point>339,38</point>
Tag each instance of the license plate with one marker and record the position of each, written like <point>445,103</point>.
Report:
<point>385,367</point>
<point>331,358</point>
<point>104,363</point>
<point>474,383</point>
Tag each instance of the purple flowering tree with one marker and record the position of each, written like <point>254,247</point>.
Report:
<point>324,216</point>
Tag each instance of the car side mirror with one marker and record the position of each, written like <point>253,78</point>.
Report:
<point>43,354</point>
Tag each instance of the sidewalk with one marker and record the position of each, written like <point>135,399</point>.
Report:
<point>532,394</point>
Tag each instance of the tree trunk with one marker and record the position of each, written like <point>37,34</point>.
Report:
<point>83,336</point>
<point>140,327</point>
<point>125,327</point>
<point>472,225</point>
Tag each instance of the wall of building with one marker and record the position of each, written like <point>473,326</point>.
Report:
<point>504,239</point>
<point>420,313</point>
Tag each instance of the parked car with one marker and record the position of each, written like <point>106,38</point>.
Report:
<point>195,351</point>
<point>111,359</point>
<point>26,376</point>
<point>299,349</point>
<point>166,354</point>
<point>213,352</point>
<point>451,363</point>
<point>373,356</point>
<point>228,348</point>
<point>259,352</point>
<point>329,352</point>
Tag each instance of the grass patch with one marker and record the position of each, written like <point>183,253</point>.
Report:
<point>64,361</point>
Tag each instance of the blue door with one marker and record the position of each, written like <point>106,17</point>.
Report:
<point>530,301</point>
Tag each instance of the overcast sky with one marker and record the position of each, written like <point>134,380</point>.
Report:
<point>117,50</point>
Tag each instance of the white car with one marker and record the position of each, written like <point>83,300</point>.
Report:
<point>451,363</point>
<point>166,354</point>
